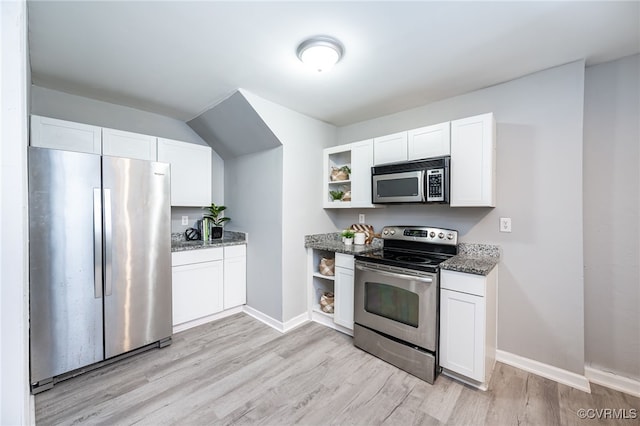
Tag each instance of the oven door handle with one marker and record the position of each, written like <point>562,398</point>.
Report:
<point>396,274</point>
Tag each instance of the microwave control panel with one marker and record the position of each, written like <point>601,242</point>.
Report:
<point>435,185</point>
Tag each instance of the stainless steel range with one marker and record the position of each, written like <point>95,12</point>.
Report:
<point>397,293</point>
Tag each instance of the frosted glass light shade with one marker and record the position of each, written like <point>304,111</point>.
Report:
<point>320,53</point>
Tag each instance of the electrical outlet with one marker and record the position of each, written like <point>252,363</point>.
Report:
<point>185,220</point>
<point>361,218</point>
<point>505,224</point>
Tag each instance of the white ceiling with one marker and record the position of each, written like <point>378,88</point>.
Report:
<point>181,58</point>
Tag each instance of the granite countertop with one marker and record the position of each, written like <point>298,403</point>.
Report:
<point>229,238</point>
<point>333,242</point>
<point>478,259</point>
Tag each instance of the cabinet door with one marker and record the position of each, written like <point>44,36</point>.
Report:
<point>190,172</point>
<point>343,309</point>
<point>430,141</point>
<point>462,332</point>
<point>473,162</point>
<point>390,148</point>
<point>235,276</point>
<point>197,290</point>
<point>118,143</point>
<point>361,162</point>
<point>65,135</point>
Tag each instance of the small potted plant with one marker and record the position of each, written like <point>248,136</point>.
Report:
<point>336,195</point>
<point>216,220</point>
<point>347,236</point>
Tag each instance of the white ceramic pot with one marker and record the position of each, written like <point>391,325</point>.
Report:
<point>359,238</point>
<point>347,241</point>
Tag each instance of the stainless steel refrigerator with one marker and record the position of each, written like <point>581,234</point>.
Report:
<point>100,259</point>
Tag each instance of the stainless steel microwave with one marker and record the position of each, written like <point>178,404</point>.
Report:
<point>420,181</point>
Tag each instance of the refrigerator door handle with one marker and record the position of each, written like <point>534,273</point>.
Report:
<point>108,240</point>
<point>97,243</point>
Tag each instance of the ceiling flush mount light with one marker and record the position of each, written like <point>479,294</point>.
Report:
<point>320,53</point>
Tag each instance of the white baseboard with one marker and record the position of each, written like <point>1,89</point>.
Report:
<point>545,370</point>
<point>613,381</point>
<point>187,325</point>
<point>282,327</point>
<point>295,322</point>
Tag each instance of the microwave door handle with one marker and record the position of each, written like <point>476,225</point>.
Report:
<point>395,274</point>
<point>422,186</point>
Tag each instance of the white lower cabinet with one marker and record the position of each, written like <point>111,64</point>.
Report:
<point>343,311</point>
<point>468,325</point>
<point>197,284</point>
<point>235,276</point>
<point>206,282</point>
<point>340,284</point>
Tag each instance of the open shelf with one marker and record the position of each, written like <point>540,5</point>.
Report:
<point>316,309</point>
<point>326,277</point>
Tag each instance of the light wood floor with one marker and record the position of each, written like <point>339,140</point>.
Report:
<point>240,371</point>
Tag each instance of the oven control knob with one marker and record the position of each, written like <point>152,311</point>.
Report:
<point>385,232</point>
<point>441,235</point>
<point>393,231</point>
<point>432,234</point>
<point>450,236</point>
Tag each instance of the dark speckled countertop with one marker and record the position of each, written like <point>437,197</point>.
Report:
<point>333,242</point>
<point>478,259</point>
<point>229,238</point>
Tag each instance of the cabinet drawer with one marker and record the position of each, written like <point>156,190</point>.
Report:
<point>235,251</point>
<point>196,256</point>
<point>465,283</point>
<point>344,261</point>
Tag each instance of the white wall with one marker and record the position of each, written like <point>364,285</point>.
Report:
<point>254,199</point>
<point>612,217</point>
<point>539,171</point>
<point>16,405</point>
<point>55,104</point>
<point>303,139</point>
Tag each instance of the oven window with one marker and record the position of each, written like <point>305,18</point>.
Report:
<point>392,302</point>
<point>402,187</point>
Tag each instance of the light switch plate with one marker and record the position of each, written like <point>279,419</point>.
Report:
<point>185,220</point>
<point>361,218</point>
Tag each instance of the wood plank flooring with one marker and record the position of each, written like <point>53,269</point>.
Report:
<point>239,371</point>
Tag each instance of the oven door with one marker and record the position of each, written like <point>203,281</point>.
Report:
<point>397,302</point>
<point>402,187</point>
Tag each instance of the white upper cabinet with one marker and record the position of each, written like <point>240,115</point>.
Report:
<point>65,135</point>
<point>354,189</point>
<point>190,172</point>
<point>361,162</point>
<point>473,158</point>
<point>429,141</point>
<point>390,148</point>
<point>416,144</point>
<point>118,143</point>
